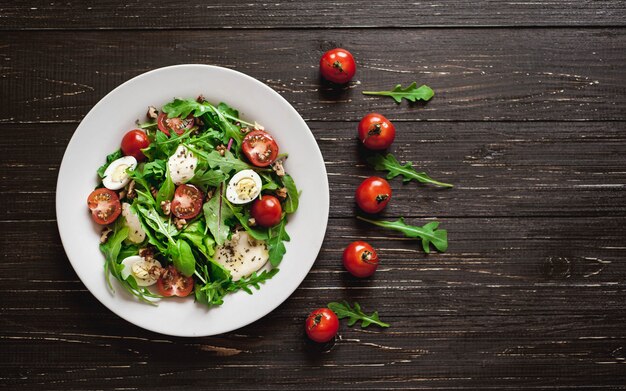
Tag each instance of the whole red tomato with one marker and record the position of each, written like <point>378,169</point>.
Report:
<point>376,132</point>
<point>337,65</point>
<point>266,211</point>
<point>373,194</point>
<point>360,259</point>
<point>133,142</point>
<point>322,325</point>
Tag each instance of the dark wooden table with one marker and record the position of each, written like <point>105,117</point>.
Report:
<point>529,122</point>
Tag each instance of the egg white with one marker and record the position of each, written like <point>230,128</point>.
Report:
<point>242,255</point>
<point>115,175</point>
<point>136,260</point>
<point>234,196</point>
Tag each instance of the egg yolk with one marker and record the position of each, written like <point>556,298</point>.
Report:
<point>119,173</point>
<point>245,188</point>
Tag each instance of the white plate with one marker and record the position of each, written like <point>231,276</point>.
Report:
<point>100,133</point>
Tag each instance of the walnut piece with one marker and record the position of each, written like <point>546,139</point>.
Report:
<point>180,223</point>
<point>166,207</point>
<point>104,236</point>
<point>152,113</point>
<point>221,149</point>
<point>281,193</point>
<point>278,168</point>
<point>252,221</point>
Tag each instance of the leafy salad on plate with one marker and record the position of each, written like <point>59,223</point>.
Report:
<point>195,202</point>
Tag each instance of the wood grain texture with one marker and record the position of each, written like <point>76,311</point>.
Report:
<point>478,74</point>
<point>499,169</point>
<point>107,14</point>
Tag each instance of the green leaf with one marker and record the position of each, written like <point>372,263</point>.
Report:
<point>292,201</point>
<point>411,93</point>
<point>110,158</point>
<point>226,163</point>
<point>195,234</point>
<point>216,213</point>
<point>166,192</point>
<point>183,258</point>
<point>252,280</point>
<point>275,244</point>
<point>243,215</point>
<point>208,177</point>
<point>155,170</point>
<point>157,222</point>
<point>428,233</point>
<point>390,163</point>
<point>344,310</point>
<point>111,250</point>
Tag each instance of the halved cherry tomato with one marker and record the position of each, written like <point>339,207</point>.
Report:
<point>178,125</point>
<point>373,194</point>
<point>260,148</point>
<point>376,132</point>
<point>266,211</point>
<point>337,65</point>
<point>360,259</point>
<point>104,205</point>
<point>187,202</point>
<point>173,283</point>
<point>322,325</point>
<point>133,142</point>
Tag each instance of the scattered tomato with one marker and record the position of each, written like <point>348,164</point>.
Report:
<point>173,283</point>
<point>133,142</point>
<point>360,259</point>
<point>373,194</point>
<point>104,205</point>
<point>337,65</point>
<point>187,202</point>
<point>322,325</point>
<point>260,148</point>
<point>178,125</point>
<point>266,211</point>
<point>376,132</point>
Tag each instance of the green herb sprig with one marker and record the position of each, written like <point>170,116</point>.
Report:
<point>390,163</point>
<point>355,314</point>
<point>428,233</point>
<point>411,93</point>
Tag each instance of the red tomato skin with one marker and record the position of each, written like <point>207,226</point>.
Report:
<point>187,202</point>
<point>322,325</point>
<point>338,66</point>
<point>376,132</point>
<point>133,142</point>
<point>373,194</point>
<point>266,211</point>
<point>360,259</point>
<point>162,123</point>
<point>104,205</point>
<point>172,283</point>
<point>260,148</point>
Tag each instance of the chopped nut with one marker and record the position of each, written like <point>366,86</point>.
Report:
<point>252,221</point>
<point>122,193</point>
<point>147,253</point>
<point>278,168</point>
<point>200,98</point>
<point>154,191</point>
<point>244,130</point>
<point>281,193</point>
<point>106,231</point>
<point>130,193</point>
<point>221,149</point>
<point>166,207</point>
<point>153,113</point>
<point>209,194</point>
<point>180,223</point>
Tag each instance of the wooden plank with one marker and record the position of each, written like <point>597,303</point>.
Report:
<point>499,169</point>
<point>107,14</point>
<point>468,318</point>
<point>478,74</point>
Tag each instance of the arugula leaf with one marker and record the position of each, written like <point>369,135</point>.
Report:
<point>252,280</point>
<point>428,233</point>
<point>226,163</point>
<point>216,214</point>
<point>243,216</point>
<point>155,169</point>
<point>391,164</point>
<point>166,192</point>
<point>207,177</point>
<point>157,222</point>
<point>194,233</point>
<point>111,250</point>
<point>292,201</point>
<point>110,158</point>
<point>344,310</point>
<point>275,243</point>
<point>411,93</point>
<point>183,258</point>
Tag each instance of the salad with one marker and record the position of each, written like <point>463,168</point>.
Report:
<point>195,202</point>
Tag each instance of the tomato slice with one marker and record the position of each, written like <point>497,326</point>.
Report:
<point>260,148</point>
<point>172,283</point>
<point>178,125</point>
<point>104,205</point>
<point>187,202</point>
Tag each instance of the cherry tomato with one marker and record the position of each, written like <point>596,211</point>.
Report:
<point>337,65</point>
<point>376,132</point>
<point>104,205</point>
<point>373,194</point>
<point>267,211</point>
<point>173,283</point>
<point>360,259</point>
<point>133,142</point>
<point>260,148</point>
<point>178,125</point>
<point>322,325</point>
<point>187,202</point>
